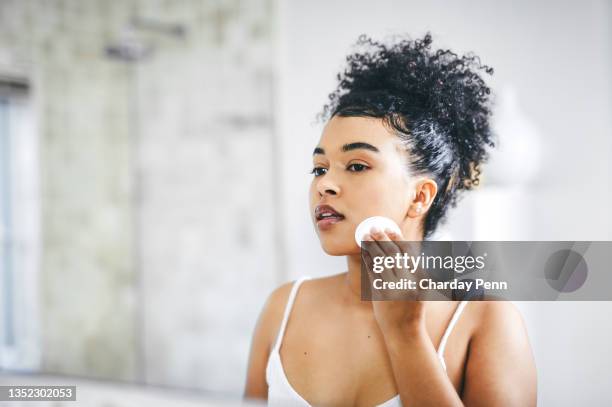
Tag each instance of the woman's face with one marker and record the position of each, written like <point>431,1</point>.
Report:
<point>360,171</point>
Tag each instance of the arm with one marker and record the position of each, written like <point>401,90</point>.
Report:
<point>264,334</point>
<point>500,370</point>
<point>420,378</point>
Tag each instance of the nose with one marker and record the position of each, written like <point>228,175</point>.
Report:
<point>326,185</point>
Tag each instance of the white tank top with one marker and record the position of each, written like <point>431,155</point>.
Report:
<point>280,391</point>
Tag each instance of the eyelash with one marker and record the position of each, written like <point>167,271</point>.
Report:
<point>314,170</point>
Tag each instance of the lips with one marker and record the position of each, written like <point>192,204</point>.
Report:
<point>327,212</point>
<point>327,216</point>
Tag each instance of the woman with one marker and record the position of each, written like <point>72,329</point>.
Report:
<point>406,131</point>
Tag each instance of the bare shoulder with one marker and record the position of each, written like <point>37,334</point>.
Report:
<point>497,315</point>
<point>268,326</point>
<point>264,334</point>
<point>311,292</point>
<point>500,368</point>
<point>490,309</point>
<point>279,296</point>
<point>498,326</point>
<point>274,308</point>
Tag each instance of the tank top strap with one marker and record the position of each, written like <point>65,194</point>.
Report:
<point>449,329</point>
<point>288,307</point>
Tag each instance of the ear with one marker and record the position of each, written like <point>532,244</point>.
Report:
<point>423,195</point>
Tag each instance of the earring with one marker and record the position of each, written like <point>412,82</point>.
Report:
<point>418,209</point>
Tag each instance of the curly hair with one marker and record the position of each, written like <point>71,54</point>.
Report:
<point>435,101</point>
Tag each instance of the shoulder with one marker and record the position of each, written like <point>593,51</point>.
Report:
<point>497,315</point>
<point>277,299</point>
<point>500,357</point>
<point>311,293</point>
<point>500,321</point>
<point>274,309</point>
<point>263,338</point>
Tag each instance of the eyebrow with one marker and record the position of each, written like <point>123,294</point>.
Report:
<point>348,147</point>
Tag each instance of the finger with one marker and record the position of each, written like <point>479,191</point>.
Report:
<point>393,235</point>
<point>367,261</point>
<point>413,248</point>
<point>373,249</point>
<point>390,248</point>
<point>365,256</point>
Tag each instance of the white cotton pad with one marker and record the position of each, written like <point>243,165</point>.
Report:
<point>380,222</point>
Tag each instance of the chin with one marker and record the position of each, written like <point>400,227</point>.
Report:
<point>344,248</point>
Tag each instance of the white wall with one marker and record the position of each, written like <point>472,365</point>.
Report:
<point>555,57</point>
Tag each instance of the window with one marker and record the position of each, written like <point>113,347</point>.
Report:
<point>19,229</point>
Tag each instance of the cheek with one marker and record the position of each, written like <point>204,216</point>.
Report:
<point>383,197</point>
<point>378,192</point>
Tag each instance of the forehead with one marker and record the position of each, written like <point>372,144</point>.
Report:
<point>342,130</point>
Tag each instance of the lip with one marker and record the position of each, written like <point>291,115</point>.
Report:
<point>327,223</point>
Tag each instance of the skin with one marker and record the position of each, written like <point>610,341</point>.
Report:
<point>363,353</point>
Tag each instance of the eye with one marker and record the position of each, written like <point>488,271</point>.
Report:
<point>357,167</point>
<point>318,171</point>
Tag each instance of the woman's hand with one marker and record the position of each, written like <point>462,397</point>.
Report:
<point>406,308</point>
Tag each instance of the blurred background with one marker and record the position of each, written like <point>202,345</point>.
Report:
<point>154,160</point>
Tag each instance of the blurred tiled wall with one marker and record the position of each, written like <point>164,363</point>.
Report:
<point>159,234</point>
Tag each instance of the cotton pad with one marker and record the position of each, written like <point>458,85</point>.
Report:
<point>380,222</point>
